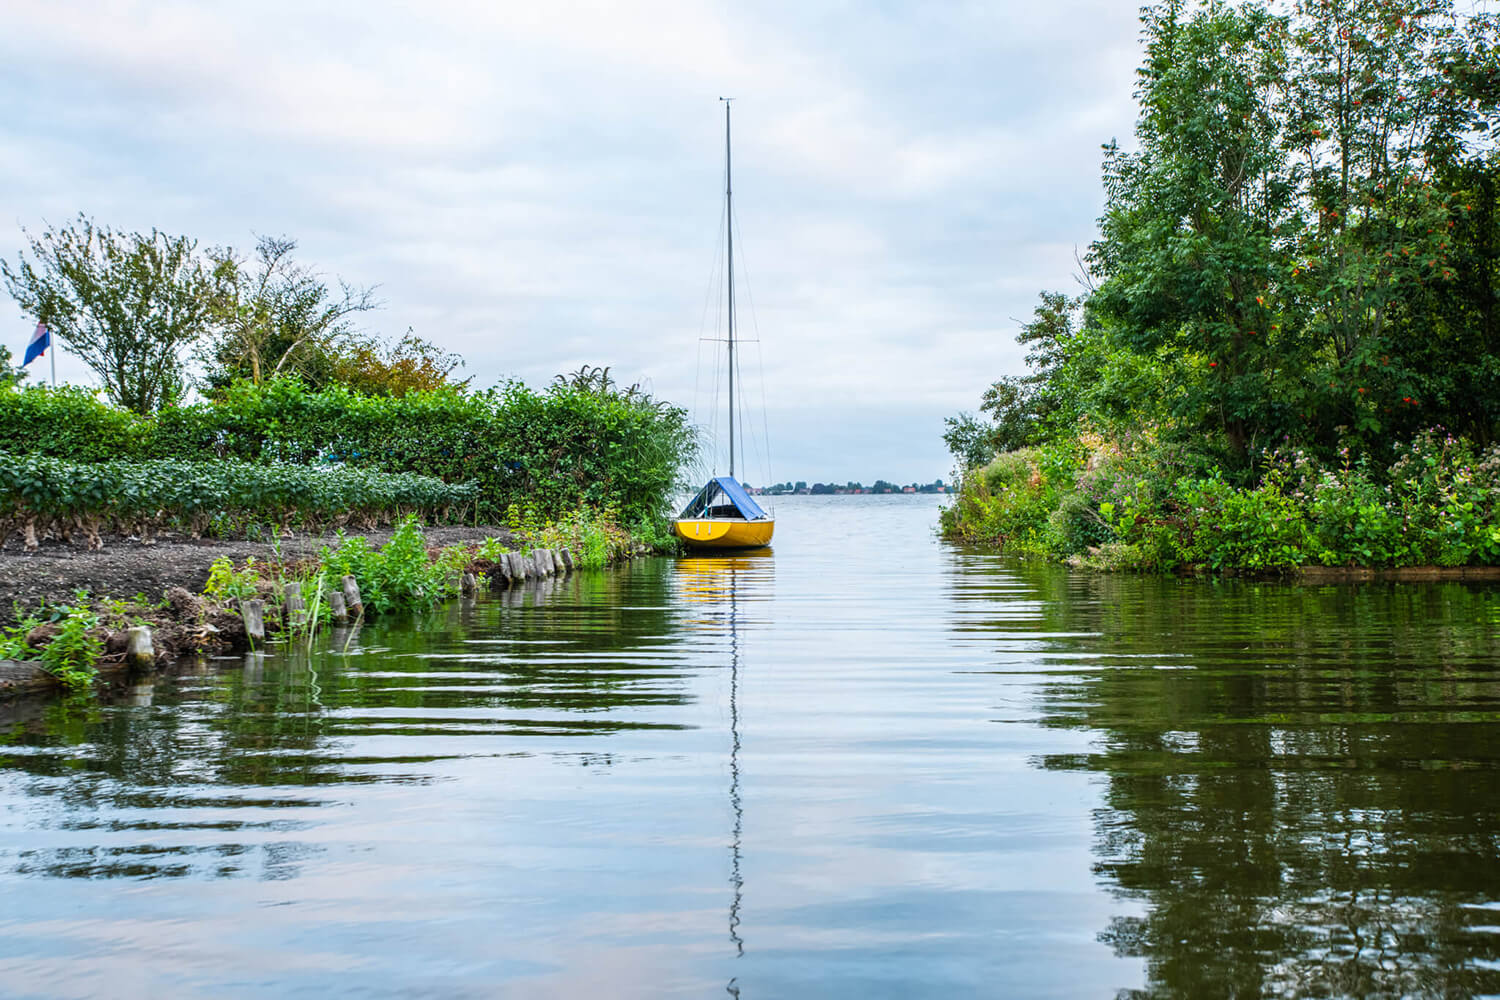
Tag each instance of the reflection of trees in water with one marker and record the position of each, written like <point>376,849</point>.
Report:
<point>1301,782</point>
<point>573,657</point>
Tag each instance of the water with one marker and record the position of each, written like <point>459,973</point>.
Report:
<point>869,765</point>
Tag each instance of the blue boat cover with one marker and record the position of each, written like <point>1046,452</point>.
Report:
<point>732,490</point>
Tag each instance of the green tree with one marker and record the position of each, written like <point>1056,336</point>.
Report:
<point>411,364</point>
<point>10,377</point>
<point>274,316</point>
<point>970,440</point>
<point>128,304</point>
<point>1201,219</point>
<point>1386,99</point>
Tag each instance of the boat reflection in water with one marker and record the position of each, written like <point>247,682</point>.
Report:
<point>710,589</point>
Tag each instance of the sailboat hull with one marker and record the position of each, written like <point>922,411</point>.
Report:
<point>709,533</point>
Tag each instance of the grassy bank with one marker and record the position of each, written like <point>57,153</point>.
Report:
<point>74,636</point>
<point>1136,505</point>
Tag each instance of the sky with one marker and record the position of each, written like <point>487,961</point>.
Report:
<point>538,186</point>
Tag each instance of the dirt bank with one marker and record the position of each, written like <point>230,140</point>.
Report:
<point>124,568</point>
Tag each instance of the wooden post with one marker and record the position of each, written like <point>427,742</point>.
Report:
<point>338,608</point>
<point>352,603</point>
<point>567,560</point>
<point>545,564</point>
<point>139,653</point>
<point>296,607</point>
<point>468,584</point>
<point>499,574</point>
<point>253,613</point>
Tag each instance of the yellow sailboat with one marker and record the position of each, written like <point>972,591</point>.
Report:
<point>723,515</point>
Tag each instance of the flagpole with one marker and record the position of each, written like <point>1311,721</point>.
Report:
<point>52,350</point>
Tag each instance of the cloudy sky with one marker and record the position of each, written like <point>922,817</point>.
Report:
<point>537,186</point>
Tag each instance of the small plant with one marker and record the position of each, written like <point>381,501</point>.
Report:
<point>227,583</point>
<point>13,645</point>
<point>399,576</point>
<point>73,654</point>
<point>490,549</point>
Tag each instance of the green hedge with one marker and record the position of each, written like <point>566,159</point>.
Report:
<point>579,443</point>
<point>40,496</point>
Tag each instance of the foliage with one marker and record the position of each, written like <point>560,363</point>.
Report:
<point>71,653</point>
<point>275,316</point>
<point>398,576</point>
<point>970,440</point>
<point>72,656</point>
<point>1299,254</point>
<point>1009,502</point>
<point>10,377</point>
<point>127,304</point>
<point>1299,244</point>
<point>578,442</point>
<point>225,583</point>
<point>1437,503</point>
<point>411,364</point>
<point>43,494</point>
<point>69,422</point>
<point>595,538</point>
<point>13,644</point>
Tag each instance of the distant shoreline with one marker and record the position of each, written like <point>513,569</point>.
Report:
<point>880,488</point>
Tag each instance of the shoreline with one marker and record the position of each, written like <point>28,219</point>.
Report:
<point>184,624</point>
<point>1311,573</point>
<point>125,567</point>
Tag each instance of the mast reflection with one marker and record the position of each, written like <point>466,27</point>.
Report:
<point>712,590</point>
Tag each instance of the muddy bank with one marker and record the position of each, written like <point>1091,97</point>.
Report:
<point>124,568</point>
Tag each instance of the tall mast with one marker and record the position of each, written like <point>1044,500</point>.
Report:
<point>729,236</point>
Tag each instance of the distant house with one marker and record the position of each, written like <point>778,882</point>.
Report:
<point>908,489</point>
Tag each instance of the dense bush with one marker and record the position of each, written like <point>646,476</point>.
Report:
<point>399,575</point>
<point>70,423</point>
<point>1437,503</point>
<point>40,495</point>
<point>580,442</point>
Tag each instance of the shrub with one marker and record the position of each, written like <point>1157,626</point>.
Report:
<point>581,441</point>
<point>73,654</point>
<point>44,494</point>
<point>1437,503</point>
<point>398,576</point>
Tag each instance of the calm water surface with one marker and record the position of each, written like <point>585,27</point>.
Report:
<point>869,765</point>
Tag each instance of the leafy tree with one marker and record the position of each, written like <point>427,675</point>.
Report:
<point>10,377</point>
<point>1444,340</point>
<point>1201,218</point>
<point>1386,98</point>
<point>128,304</point>
<point>411,364</point>
<point>970,440</point>
<point>274,317</point>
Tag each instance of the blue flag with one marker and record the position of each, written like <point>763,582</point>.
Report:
<point>40,341</point>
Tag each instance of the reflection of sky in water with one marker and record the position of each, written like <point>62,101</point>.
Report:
<point>879,765</point>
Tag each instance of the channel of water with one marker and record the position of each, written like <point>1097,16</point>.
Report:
<point>869,764</point>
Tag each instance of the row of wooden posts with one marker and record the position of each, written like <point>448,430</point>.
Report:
<point>512,569</point>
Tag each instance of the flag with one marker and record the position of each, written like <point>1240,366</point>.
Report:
<point>40,341</point>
